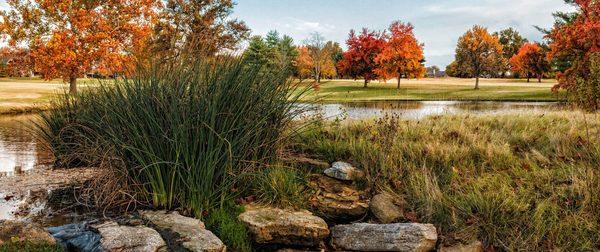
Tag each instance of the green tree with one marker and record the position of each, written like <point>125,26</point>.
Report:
<point>258,53</point>
<point>337,54</point>
<point>511,41</point>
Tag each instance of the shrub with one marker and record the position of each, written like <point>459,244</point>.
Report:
<point>180,134</point>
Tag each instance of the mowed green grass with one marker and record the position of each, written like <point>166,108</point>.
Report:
<point>18,95</point>
<point>435,89</point>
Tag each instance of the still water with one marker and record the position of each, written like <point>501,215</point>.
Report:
<point>422,109</point>
<point>19,150</point>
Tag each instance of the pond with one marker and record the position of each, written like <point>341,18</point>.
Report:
<point>19,150</point>
<point>422,109</point>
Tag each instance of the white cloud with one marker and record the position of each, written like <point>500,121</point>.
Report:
<point>304,25</point>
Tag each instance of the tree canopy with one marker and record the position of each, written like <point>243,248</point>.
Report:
<point>68,39</point>
<point>479,53</point>
<point>359,60</point>
<point>530,61</point>
<point>402,55</point>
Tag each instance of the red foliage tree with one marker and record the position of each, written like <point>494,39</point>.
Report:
<point>573,40</point>
<point>359,60</point>
<point>530,61</point>
<point>402,54</point>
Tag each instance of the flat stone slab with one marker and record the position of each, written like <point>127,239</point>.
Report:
<point>337,200</point>
<point>192,232</point>
<point>24,231</point>
<point>278,226</point>
<point>129,238</point>
<point>384,237</point>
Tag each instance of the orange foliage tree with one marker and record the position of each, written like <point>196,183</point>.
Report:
<point>530,61</point>
<point>402,55</point>
<point>479,53</point>
<point>68,39</point>
<point>304,64</point>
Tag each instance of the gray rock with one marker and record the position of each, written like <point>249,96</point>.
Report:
<point>475,246</point>
<point>384,208</point>
<point>344,171</point>
<point>336,200</point>
<point>128,238</point>
<point>24,231</point>
<point>192,232</point>
<point>277,226</point>
<point>384,237</point>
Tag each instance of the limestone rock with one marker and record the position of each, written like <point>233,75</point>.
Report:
<point>384,237</point>
<point>336,200</point>
<point>24,231</point>
<point>475,246</point>
<point>191,232</point>
<point>277,226</point>
<point>344,171</point>
<point>128,238</point>
<point>383,206</point>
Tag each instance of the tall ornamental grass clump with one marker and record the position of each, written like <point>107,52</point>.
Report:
<point>180,134</point>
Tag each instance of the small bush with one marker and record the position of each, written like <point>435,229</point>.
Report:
<point>225,224</point>
<point>280,186</point>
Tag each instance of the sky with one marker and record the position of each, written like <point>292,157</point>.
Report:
<point>438,23</point>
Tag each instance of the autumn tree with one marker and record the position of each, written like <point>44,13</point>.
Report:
<point>359,59</point>
<point>318,53</point>
<point>402,55</point>
<point>198,28</point>
<point>17,62</point>
<point>479,53</point>
<point>68,39</point>
<point>304,64</point>
<point>573,40</point>
<point>530,61</point>
<point>511,41</point>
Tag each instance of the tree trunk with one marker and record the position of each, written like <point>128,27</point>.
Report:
<point>540,78</point>
<point>399,78</point>
<point>72,85</point>
<point>477,82</point>
<point>528,77</point>
<point>366,82</point>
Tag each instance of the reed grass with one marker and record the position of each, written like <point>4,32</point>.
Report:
<point>182,134</point>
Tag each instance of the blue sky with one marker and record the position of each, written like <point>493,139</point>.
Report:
<point>438,24</point>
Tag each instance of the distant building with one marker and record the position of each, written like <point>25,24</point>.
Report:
<point>435,72</point>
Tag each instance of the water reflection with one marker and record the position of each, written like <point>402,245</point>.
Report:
<point>421,109</point>
<point>19,151</point>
